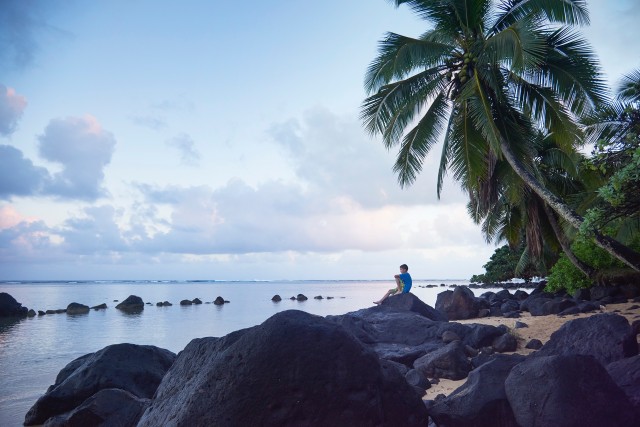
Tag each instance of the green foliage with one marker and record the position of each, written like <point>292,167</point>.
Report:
<point>564,275</point>
<point>501,267</point>
<point>616,157</point>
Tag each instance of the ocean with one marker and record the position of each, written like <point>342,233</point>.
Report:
<point>33,350</point>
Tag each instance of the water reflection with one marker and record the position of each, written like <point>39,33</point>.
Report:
<point>8,323</point>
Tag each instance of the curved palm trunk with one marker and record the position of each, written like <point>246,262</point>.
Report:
<point>566,246</point>
<point>615,248</point>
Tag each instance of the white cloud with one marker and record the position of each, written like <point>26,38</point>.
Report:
<point>83,149</point>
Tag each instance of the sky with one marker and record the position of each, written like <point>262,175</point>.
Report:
<point>177,140</point>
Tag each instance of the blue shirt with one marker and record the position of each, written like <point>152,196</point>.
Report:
<point>406,279</point>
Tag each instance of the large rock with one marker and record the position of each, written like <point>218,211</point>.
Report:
<point>77,308</point>
<point>481,400</point>
<point>626,373</point>
<point>108,407</point>
<point>409,302</point>
<point>9,307</point>
<point>458,304</point>
<point>133,303</point>
<point>572,390</point>
<point>607,337</point>
<point>137,369</point>
<point>294,369</point>
<point>450,362</point>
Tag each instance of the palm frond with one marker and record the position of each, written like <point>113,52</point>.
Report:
<point>419,141</point>
<point>545,109</point>
<point>399,55</point>
<point>518,46</point>
<point>380,109</point>
<point>568,12</point>
<point>629,87</point>
<point>571,70</point>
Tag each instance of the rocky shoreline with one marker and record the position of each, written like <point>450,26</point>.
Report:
<point>373,367</point>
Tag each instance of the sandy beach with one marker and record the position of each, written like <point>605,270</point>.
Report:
<point>540,327</point>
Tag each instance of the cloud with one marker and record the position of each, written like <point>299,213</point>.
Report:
<point>186,146</point>
<point>11,107</point>
<point>336,156</point>
<point>18,175</point>
<point>83,149</point>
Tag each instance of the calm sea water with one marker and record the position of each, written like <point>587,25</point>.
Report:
<point>34,350</point>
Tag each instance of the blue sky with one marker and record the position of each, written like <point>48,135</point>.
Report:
<point>220,140</point>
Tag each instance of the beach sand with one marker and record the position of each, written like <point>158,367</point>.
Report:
<point>540,327</point>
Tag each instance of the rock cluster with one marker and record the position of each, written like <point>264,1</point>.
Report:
<point>461,303</point>
<point>368,367</point>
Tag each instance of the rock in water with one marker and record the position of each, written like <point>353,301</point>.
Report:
<point>137,369</point>
<point>133,303</point>
<point>294,369</point>
<point>77,308</point>
<point>9,307</point>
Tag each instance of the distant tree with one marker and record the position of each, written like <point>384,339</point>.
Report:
<point>502,265</point>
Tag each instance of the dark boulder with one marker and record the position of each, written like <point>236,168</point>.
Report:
<point>186,302</point>
<point>417,379</point>
<point>219,301</point>
<point>276,298</point>
<point>520,295</point>
<point>108,407</point>
<point>509,306</point>
<point>479,335</point>
<point>588,306</point>
<point>626,374</point>
<point>607,337</point>
<point>9,307</point>
<point>583,294</point>
<point>131,304</point>
<point>294,369</point>
<point>557,305</point>
<point>102,306</point>
<point>196,301</point>
<point>301,297</point>
<point>137,369</point>
<point>505,343</point>
<point>534,344</point>
<point>570,311</point>
<point>600,292</point>
<point>398,336</point>
<point>449,362</point>
<point>449,336</point>
<point>459,303</point>
<point>76,308</point>
<point>481,400</point>
<point>410,302</point>
<point>572,390</point>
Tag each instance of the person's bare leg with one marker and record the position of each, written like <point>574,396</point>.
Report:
<point>383,298</point>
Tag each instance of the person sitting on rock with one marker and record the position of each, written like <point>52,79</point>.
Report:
<point>403,284</point>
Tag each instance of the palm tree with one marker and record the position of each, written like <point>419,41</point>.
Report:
<point>518,215</point>
<point>490,74</point>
